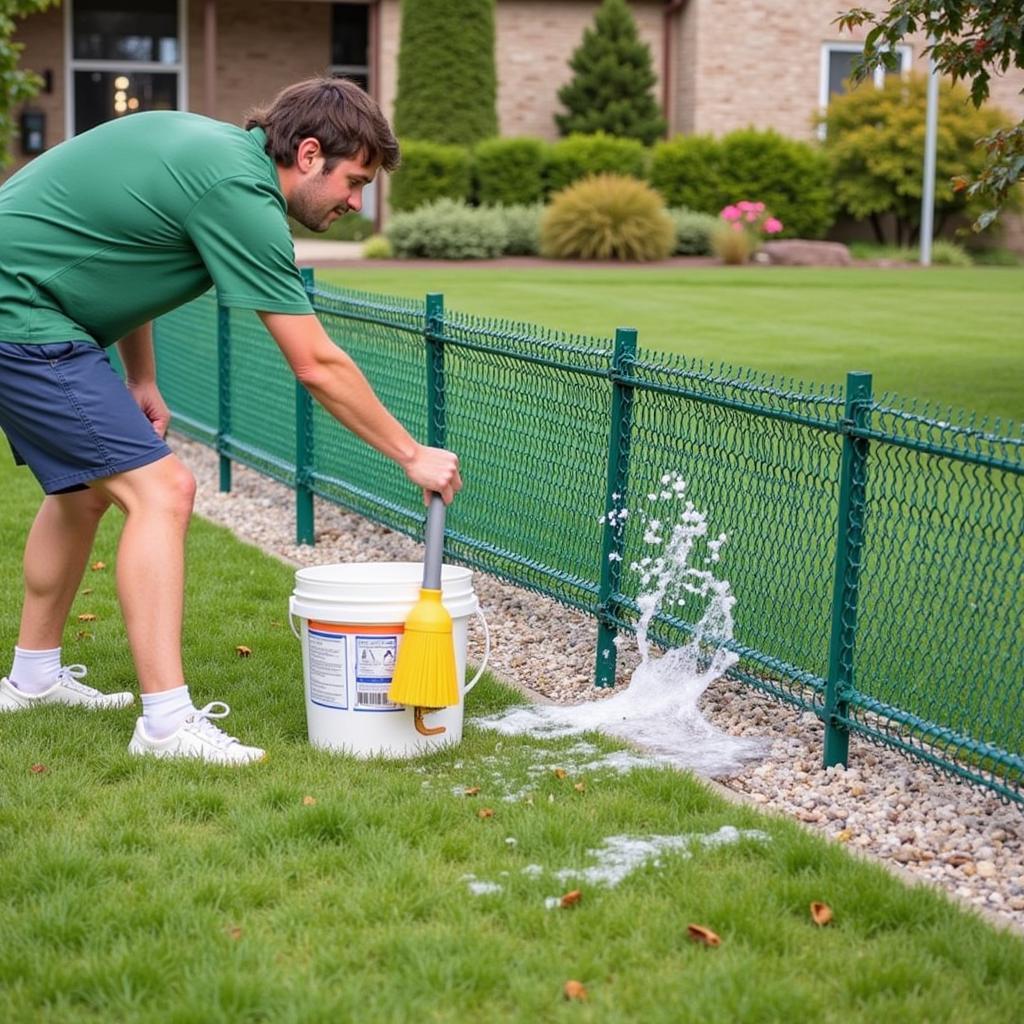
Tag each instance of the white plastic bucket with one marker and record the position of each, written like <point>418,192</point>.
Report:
<point>351,618</point>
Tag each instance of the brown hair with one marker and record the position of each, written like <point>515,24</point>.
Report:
<point>335,112</point>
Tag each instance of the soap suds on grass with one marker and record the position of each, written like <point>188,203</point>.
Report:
<point>658,710</point>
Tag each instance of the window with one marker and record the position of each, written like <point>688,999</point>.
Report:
<point>124,57</point>
<point>350,43</point>
<point>350,58</point>
<point>837,61</point>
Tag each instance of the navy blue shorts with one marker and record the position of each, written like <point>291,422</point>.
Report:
<point>69,417</point>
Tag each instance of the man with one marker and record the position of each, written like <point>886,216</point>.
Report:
<point>101,235</point>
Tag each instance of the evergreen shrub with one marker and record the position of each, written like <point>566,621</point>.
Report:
<point>693,231</point>
<point>429,171</point>
<point>612,88</point>
<point>687,170</point>
<point>580,156</point>
<point>609,216</point>
<point>792,178</point>
<point>509,171</point>
<point>448,229</point>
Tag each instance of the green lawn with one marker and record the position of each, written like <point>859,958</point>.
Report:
<point>140,891</point>
<point>951,336</point>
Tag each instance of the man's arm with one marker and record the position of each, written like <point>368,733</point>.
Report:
<point>136,351</point>
<point>333,379</point>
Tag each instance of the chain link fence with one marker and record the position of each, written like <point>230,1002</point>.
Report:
<point>875,549</point>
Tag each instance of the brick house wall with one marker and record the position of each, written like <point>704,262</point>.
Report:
<point>733,63</point>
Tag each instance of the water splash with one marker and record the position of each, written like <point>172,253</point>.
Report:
<point>658,710</point>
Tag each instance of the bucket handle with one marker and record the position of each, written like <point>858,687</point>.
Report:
<point>487,653</point>
<point>480,671</point>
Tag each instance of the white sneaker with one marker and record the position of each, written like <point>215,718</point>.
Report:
<point>69,689</point>
<point>197,737</point>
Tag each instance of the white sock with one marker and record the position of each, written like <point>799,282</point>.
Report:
<point>163,713</point>
<point>35,671</point>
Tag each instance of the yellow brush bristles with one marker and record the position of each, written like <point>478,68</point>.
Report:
<point>425,673</point>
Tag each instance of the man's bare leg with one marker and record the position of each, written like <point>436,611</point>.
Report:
<point>157,502</point>
<point>56,554</point>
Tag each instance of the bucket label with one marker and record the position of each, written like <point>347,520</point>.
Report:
<point>328,668</point>
<point>374,669</point>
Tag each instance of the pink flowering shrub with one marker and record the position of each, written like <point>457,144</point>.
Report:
<point>743,226</point>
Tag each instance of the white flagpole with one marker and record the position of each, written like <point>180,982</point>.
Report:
<point>928,191</point>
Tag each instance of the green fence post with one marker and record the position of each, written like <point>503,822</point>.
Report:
<point>849,544</point>
<point>304,529</point>
<point>224,393</point>
<point>613,541</point>
<point>434,335</point>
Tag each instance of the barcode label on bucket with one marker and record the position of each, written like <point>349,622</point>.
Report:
<point>368,698</point>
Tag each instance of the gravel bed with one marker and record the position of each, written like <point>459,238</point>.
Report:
<point>890,807</point>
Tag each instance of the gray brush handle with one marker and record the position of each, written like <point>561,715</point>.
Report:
<point>435,543</point>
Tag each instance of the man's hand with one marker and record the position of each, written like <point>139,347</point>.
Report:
<point>333,379</point>
<point>148,398</point>
<point>435,470</point>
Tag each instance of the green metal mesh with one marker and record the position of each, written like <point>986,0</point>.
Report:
<point>930,663</point>
<point>761,459</point>
<point>939,643</point>
<point>261,401</point>
<point>385,338</point>
<point>527,411</point>
<point>185,342</point>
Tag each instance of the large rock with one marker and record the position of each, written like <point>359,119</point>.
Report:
<point>799,252</point>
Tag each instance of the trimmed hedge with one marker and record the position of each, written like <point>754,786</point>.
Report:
<point>582,156</point>
<point>509,171</point>
<point>429,171</point>
<point>792,178</point>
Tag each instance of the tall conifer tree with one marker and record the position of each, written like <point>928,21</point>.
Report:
<point>447,83</point>
<point>611,88</point>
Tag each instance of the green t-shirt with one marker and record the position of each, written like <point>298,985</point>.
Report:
<point>131,219</point>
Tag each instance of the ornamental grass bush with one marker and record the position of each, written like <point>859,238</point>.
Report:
<point>608,216</point>
<point>448,229</point>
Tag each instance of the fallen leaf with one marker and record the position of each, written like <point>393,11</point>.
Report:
<point>38,769</point>
<point>274,624</point>
<point>560,773</point>
<point>87,617</point>
<point>485,812</point>
<point>703,935</point>
<point>84,634</point>
<point>575,990</point>
<point>242,651</point>
<point>87,591</point>
<point>98,566</point>
<point>821,913</point>
<point>845,835</point>
<point>580,787</point>
<point>309,801</point>
<point>472,791</point>
<point>570,899</point>
<point>235,933</point>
